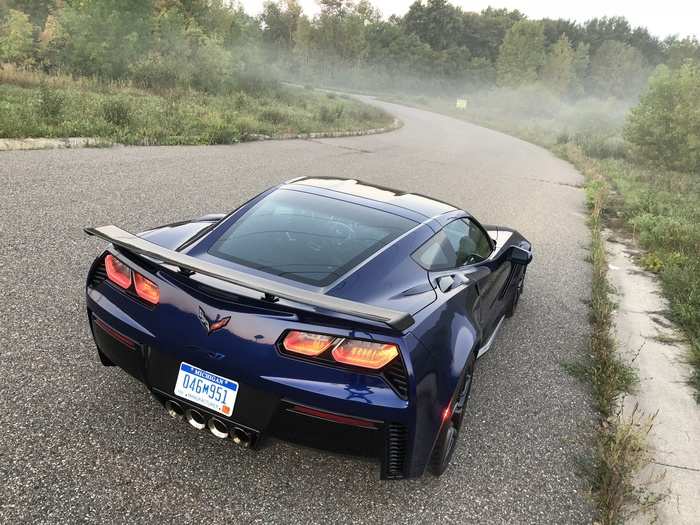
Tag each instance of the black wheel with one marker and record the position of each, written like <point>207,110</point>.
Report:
<point>449,434</point>
<point>516,296</point>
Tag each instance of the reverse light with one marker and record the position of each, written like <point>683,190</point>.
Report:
<point>365,354</point>
<point>308,344</point>
<point>118,272</point>
<point>146,289</point>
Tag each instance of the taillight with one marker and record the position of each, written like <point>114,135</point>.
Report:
<point>121,275</point>
<point>308,344</point>
<point>146,289</point>
<point>365,354</point>
<point>118,272</point>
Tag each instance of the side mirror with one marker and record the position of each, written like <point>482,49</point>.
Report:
<point>518,255</point>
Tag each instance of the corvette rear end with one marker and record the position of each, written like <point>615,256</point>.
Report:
<point>261,324</point>
<point>278,368</point>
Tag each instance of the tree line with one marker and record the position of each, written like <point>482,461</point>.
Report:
<point>205,44</point>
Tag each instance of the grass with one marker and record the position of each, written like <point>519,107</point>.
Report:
<point>620,444</point>
<point>37,105</point>
<point>661,210</point>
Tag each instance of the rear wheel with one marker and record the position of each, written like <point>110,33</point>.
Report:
<point>449,434</point>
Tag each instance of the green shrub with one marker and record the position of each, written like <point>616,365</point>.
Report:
<point>116,111</point>
<point>274,115</point>
<point>241,100</point>
<point>665,127</point>
<point>330,114</point>
<point>247,126</point>
<point>50,103</point>
<point>223,134</point>
<point>601,146</point>
<point>651,262</point>
<point>16,38</point>
<point>154,72</point>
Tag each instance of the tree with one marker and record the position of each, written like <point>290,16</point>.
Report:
<point>341,30</point>
<point>280,21</point>
<point>558,69</point>
<point>104,37</point>
<point>484,32</point>
<point>554,28</point>
<point>599,30</point>
<point>16,38</point>
<point>580,66</point>
<point>678,52</point>
<point>436,22</point>
<point>521,54</point>
<point>617,70</point>
<point>665,126</point>
<point>649,46</point>
<point>37,10</point>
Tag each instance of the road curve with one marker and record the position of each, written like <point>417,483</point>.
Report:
<point>84,442</point>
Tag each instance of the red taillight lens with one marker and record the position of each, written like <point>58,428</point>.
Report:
<point>305,343</point>
<point>146,289</point>
<point>118,272</point>
<point>365,354</point>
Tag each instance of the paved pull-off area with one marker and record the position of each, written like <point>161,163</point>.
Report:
<point>80,442</point>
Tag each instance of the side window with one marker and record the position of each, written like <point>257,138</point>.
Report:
<point>459,243</point>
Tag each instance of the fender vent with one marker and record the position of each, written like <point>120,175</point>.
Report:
<point>513,275</point>
<point>395,375</point>
<point>98,275</point>
<point>395,452</point>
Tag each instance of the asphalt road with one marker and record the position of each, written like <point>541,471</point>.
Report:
<point>80,442</point>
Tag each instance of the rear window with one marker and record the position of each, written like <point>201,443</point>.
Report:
<point>308,238</point>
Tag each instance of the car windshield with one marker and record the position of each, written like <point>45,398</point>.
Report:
<point>307,237</point>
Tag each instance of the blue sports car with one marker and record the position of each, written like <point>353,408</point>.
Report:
<point>327,312</point>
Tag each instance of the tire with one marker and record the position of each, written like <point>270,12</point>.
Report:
<point>449,433</point>
<point>516,296</point>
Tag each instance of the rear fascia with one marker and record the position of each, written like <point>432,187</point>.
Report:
<point>246,351</point>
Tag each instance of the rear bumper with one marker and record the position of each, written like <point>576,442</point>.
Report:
<point>268,405</point>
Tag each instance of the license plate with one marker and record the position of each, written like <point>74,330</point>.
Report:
<point>206,389</point>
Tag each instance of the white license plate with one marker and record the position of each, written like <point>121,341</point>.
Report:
<point>206,389</point>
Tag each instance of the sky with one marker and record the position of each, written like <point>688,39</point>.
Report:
<point>670,17</point>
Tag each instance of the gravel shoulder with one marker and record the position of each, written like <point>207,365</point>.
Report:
<point>81,442</point>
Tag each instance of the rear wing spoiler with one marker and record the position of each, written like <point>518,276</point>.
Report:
<point>392,318</point>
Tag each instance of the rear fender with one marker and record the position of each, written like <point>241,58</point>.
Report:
<point>438,363</point>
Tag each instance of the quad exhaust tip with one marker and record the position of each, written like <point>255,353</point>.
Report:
<point>174,409</point>
<point>241,437</point>
<point>218,428</point>
<point>195,418</point>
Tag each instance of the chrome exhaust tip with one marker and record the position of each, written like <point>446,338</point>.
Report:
<point>241,437</point>
<point>218,428</point>
<point>195,418</point>
<point>174,409</point>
